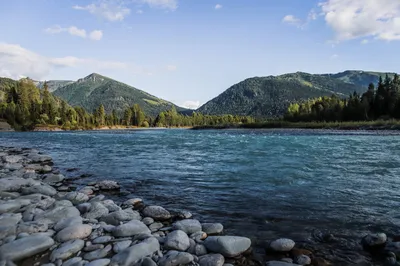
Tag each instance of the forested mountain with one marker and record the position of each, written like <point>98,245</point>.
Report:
<point>53,84</point>
<point>93,90</point>
<point>270,96</point>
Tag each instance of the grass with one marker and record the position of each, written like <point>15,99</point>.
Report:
<point>152,102</point>
<point>351,125</point>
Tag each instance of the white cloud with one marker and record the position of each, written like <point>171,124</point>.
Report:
<point>365,41</point>
<point>191,104</point>
<point>162,4</point>
<point>292,20</point>
<point>96,35</point>
<point>218,6</point>
<point>352,19</point>
<point>17,62</point>
<point>109,10</point>
<point>171,68</point>
<point>312,15</point>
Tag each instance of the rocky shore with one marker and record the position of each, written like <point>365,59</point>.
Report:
<point>46,221</point>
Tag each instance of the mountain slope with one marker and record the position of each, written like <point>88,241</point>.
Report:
<point>95,89</point>
<point>53,84</point>
<point>359,77</point>
<point>270,96</point>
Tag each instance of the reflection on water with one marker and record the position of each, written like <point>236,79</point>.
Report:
<point>263,184</point>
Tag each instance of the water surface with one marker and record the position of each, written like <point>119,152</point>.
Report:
<point>263,184</point>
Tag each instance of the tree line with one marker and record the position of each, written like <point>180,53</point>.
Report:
<point>24,106</point>
<point>378,102</point>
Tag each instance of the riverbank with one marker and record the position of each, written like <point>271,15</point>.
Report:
<point>361,125</point>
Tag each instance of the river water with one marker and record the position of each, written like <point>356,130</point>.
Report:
<point>263,184</point>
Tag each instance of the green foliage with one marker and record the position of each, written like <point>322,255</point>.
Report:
<point>382,103</point>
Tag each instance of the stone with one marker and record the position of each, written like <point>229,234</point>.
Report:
<point>46,169</point>
<point>155,227</point>
<point>279,263</point>
<point>302,260</point>
<point>57,213</point>
<point>133,202</point>
<point>32,227</point>
<point>102,240</point>
<point>41,189</point>
<point>26,247</point>
<point>97,210</point>
<point>39,158</point>
<point>148,221</point>
<point>72,261</point>
<point>84,207</point>
<point>157,213</point>
<point>12,159</point>
<point>93,247</point>
<point>198,236</point>
<point>10,206</point>
<point>108,185</point>
<point>148,262</point>
<point>115,218</point>
<point>189,226</point>
<point>14,184</point>
<point>374,240</point>
<point>76,197</point>
<point>197,249</point>
<point>184,215</point>
<point>177,240</point>
<point>175,258</point>
<point>135,253</point>
<point>13,166</point>
<point>8,219</point>
<point>228,246</point>
<point>212,260</point>
<point>97,198</point>
<point>212,228</point>
<point>121,245</point>
<point>100,262</point>
<point>67,250</point>
<point>111,206</point>
<point>79,231</point>
<point>53,178</point>
<point>282,245</point>
<point>8,195</point>
<point>130,229</point>
<point>64,223</point>
<point>98,254</point>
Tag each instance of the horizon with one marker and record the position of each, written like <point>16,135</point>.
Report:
<point>148,44</point>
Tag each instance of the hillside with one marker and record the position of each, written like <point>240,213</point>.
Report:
<point>270,96</point>
<point>53,84</point>
<point>93,90</point>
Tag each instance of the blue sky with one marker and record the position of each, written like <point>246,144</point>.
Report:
<point>189,51</point>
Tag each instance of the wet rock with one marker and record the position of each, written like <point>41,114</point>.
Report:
<point>111,206</point>
<point>14,184</point>
<point>135,253</point>
<point>115,218</point>
<point>32,227</point>
<point>198,236</point>
<point>189,226</point>
<point>212,260</point>
<point>97,198</point>
<point>72,261</point>
<point>102,240</point>
<point>84,207</point>
<point>279,263</point>
<point>197,249</point>
<point>374,241</point>
<point>79,231</point>
<point>64,223</point>
<point>132,202</point>
<point>282,245</point>
<point>228,246</point>
<point>9,207</point>
<point>4,195</point>
<point>53,178</point>
<point>184,215</point>
<point>12,159</point>
<point>13,166</point>
<point>148,262</point>
<point>177,240</point>
<point>41,189</point>
<point>97,210</point>
<point>154,227</point>
<point>212,228</point>
<point>302,260</point>
<point>98,254</point>
<point>119,246</point>
<point>100,262</point>
<point>175,258</point>
<point>130,229</point>
<point>57,213</point>
<point>76,197</point>
<point>157,213</point>
<point>67,250</point>
<point>39,158</point>
<point>148,221</point>
<point>26,247</point>
<point>108,185</point>
<point>10,219</point>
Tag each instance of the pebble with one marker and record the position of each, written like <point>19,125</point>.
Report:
<point>135,253</point>
<point>100,262</point>
<point>157,213</point>
<point>67,250</point>
<point>282,245</point>
<point>98,254</point>
<point>177,240</point>
<point>228,246</point>
<point>302,260</point>
<point>212,260</point>
<point>175,258</point>
<point>72,261</point>
<point>26,247</point>
<point>374,240</point>
<point>212,228</point>
<point>102,240</point>
<point>130,229</point>
<point>189,226</point>
<point>78,231</point>
<point>119,246</point>
<point>93,247</point>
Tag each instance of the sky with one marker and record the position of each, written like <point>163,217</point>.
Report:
<point>190,51</point>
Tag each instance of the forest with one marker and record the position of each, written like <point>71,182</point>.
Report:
<point>25,107</point>
<point>378,102</point>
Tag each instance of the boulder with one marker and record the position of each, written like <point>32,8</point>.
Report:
<point>100,262</point>
<point>9,207</point>
<point>98,254</point>
<point>157,213</point>
<point>14,184</point>
<point>67,250</point>
<point>374,240</point>
<point>175,258</point>
<point>79,231</point>
<point>115,218</point>
<point>228,246</point>
<point>121,245</point>
<point>212,228</point>
<point>135,253</point>
<point>53,178</point>
<point>41,189</point>
<point>12,159</point>
<point>57,213</point>
<point>111,206</point>
<point>212,260</point>
<point>302,260</point>
<point>108,185</point>
<point>97,210</point>
<point>177,240</point>
<point>64,223</point>
<point>189,226</point>
<point>76,197</point>
<point>130,229</point>
<point>25,247</point>
<point>282,245</point>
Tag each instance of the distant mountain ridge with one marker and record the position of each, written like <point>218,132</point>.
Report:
<point>95,89</point>
<point>270,96</point>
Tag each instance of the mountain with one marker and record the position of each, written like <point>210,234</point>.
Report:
<point>95,89</point>
<point>270,96</point>
<point>53,85</point>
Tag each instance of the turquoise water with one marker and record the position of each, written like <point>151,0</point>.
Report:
<point>263,184</point>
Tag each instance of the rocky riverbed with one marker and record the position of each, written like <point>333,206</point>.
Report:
<point>46,221</point>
